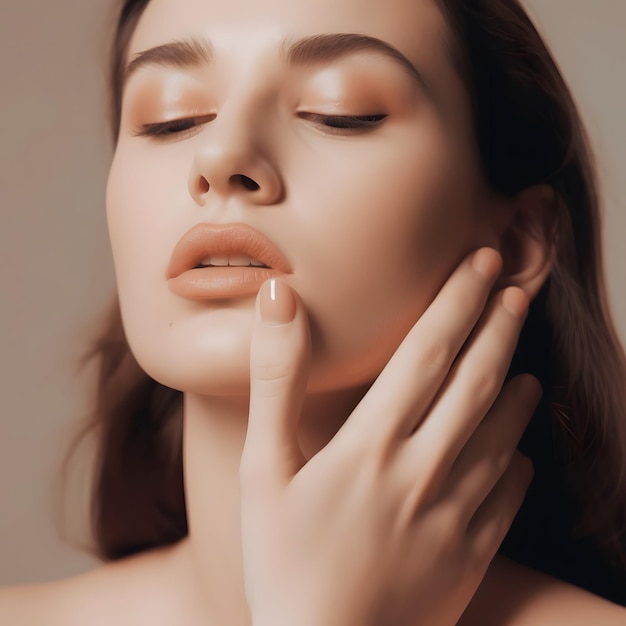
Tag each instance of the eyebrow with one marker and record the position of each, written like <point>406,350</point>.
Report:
<point>178,54</point>
<point>329,47</point>
<point>189,53</point>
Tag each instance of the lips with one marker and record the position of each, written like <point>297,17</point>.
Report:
<point>223,261</point>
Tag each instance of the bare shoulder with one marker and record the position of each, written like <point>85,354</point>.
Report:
<point>514,595</point>
<point>134,590</point>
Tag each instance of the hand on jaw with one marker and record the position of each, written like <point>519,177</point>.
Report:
<point>396,520</point>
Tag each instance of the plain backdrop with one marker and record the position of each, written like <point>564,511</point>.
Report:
<point>56,272</point>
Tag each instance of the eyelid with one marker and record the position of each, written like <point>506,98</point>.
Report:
<point>174,129</point>
<point>343,124</point>
<point>184,127</point>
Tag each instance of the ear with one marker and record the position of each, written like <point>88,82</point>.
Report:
<point>528,241</point>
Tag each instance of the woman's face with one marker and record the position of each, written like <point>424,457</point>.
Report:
<point>370,213</point>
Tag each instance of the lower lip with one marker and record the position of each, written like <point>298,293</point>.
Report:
<point>218,283</point>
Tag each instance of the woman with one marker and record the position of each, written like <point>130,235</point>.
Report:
<point>402,178</point>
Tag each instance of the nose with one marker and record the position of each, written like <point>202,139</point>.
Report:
<point>232,160</point>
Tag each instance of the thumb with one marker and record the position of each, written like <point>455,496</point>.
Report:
<point>279,363</point>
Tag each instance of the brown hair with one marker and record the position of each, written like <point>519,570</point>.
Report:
<point>529,132</point>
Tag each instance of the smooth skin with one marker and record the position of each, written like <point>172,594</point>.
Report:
<point>355,465</point>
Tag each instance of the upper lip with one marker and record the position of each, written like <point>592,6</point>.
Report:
<point>203,240</point>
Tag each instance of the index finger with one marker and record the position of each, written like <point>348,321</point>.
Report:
<point>417,369</point>
<point>280,351</point>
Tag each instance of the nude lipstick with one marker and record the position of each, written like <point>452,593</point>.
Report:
<point>220,261</point>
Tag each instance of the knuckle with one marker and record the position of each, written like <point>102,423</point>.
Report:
<point>274,372</point>
<point>494,466</point>
<point>499,464</point>
<point>486,386</point>
<point>435,355</point>
<point>452,529</point>
<point>488,469</point>
<point>416,504</point>
<point>377,454</point>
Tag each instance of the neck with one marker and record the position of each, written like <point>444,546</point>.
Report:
<point>214,435</point>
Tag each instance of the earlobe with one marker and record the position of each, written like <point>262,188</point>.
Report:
<point>528,242</point>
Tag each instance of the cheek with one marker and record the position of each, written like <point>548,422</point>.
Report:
<point>393,229</point>
<point>138,230</point>
<point>169,338</point>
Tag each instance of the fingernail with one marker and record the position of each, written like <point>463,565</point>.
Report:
<point>487,262</point>
<point>277,303</point>
<point>515,301</point>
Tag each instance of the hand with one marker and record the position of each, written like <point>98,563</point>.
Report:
<point>396,520</point>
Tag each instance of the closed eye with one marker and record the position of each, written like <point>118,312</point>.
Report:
<point>343,124</point>
<point>175,130</point>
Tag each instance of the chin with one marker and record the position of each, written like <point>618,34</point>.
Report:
<point>217,377</point>
<point>204,354</point>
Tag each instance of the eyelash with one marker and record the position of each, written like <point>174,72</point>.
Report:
<point>174,130</point>
<point>343,124</point>
<point>187,127</point>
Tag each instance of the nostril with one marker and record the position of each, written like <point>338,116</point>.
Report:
<point>203,185</point>
<point>246,181</point>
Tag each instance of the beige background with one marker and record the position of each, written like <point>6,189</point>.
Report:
<point>55,268</point>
